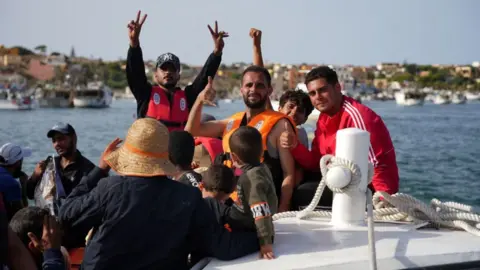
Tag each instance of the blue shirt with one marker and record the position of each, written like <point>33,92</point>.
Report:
<point>9,187</point>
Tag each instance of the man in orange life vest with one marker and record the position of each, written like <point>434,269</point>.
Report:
<point>256,88</point>
<point>165,101</point>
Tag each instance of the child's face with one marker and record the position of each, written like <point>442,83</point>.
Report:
<point>237,163</point>
<point>293,110</point>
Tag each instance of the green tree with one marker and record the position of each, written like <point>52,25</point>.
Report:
<point>41,48</point>
<point>401,77</point>
<point>411,68</point>
<point>370,75</point>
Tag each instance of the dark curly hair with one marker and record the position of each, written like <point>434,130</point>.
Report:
<point>259,69</point>
<point>322,72</point>
<point>299,98</point>
<point>219,178</point>
<point>246,143</point>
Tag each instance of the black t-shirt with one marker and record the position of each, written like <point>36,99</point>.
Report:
<point>190,178</point>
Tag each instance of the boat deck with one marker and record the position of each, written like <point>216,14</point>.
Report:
<point>314,244</point>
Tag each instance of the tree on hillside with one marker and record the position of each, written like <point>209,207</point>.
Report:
<point>401,77</point>
<point>41,48</point>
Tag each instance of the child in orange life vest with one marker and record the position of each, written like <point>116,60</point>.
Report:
<point>217,186</point>
<point>256,200</point>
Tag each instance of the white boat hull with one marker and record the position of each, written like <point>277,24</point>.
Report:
<point>472,96</point>
<point>315,244</point>
<point>441,101</point>
<point>53,103</point>
<point>402,101</point>
<point>8,105</point>
<point>459,101</point>
<point>91,103</point>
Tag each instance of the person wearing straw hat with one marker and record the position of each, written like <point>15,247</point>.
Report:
<point>145,220</point>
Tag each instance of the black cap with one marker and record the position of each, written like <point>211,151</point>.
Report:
<point>65,129</point>
<point>207,117</point>
<point>168,58</point>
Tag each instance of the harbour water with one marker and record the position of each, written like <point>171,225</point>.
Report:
<point>437,147</point>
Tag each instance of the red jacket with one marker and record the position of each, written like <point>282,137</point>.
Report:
<point>381,152</point>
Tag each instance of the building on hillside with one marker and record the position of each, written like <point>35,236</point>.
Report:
<point>464,71</point>
<point>40,71</point>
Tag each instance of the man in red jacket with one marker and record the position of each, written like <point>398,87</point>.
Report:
<point>339,112</point>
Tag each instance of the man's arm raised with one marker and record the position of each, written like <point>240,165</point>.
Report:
<point>210,67</point>
<point>288,165</point>
<point>211,129</point>
<point>256,36</point>
<point>135,69</point>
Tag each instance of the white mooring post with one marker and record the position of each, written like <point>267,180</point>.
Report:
<point>349,208</point>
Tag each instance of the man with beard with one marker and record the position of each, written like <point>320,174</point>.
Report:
<point>11,160</point>
<point>166,102</point>
<point>69,168</point>
<point>256,88</point>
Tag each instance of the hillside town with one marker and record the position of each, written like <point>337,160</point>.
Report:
<point>41,73</point>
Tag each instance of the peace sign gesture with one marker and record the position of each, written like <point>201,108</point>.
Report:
<point>134,28</point>
<point>217,38</point>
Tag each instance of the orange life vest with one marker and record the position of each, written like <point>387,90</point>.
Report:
<point>174,115</point>
<point>263,122</point>
<point>212,145</point>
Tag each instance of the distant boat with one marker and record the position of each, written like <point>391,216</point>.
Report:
<point>459,99</point>
<point>50,98</point>
<point>96,95</point>
<point>472,96</point>
<point>442,99</point>
<point>406,98</point>
<point>16,101</point>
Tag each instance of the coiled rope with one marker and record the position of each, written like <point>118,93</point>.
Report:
<point>396,207</point>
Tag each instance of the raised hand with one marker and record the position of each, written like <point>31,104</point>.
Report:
<point>287,138</point>
<point>218,38</point>
<point>112,146</point>
<point>51,235</point>
<point>134,28</point>
<point>256,35</point>
<point>207,96</point>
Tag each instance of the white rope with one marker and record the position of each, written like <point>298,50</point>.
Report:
<point>396,207</point>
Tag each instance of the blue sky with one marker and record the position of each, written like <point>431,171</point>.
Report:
<point>359,32</point>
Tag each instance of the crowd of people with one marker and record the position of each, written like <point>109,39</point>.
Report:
<point>186,185</point>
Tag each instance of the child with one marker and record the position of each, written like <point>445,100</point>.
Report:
<point>181,147</point>
<point>256,201</point>
<point>217,186</point>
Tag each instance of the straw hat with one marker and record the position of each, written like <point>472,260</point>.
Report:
<point>144,152</point>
